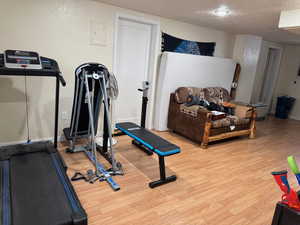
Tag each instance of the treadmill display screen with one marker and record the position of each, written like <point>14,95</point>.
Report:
<point>21,57</point>
<point>17,59</point>
<point>23,61</point>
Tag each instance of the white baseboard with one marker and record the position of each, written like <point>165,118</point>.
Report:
<point>294,117</point>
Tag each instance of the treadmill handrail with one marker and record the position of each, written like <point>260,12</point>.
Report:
<point>62,80</point>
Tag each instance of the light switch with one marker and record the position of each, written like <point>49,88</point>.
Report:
<point>98,33</point>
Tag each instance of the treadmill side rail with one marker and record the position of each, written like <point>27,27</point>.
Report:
<point>5,193</point>
<point>79,216</point>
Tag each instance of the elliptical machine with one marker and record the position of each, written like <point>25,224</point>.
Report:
<point>91,83</point>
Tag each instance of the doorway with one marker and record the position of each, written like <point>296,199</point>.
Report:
<point>270,77</point>
<point>266,78</point>
<point>135,51</point>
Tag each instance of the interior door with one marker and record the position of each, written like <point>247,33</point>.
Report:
<point>132,68</point>
<point>269,77</point>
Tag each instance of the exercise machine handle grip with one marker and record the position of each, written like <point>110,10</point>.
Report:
<point>62,80</point>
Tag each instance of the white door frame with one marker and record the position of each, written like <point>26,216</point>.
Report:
<point>154,53</point>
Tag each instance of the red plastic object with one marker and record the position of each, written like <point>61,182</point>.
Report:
<point>289,197</point>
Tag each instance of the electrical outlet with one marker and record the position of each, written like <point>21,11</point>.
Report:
<point>98,33</point>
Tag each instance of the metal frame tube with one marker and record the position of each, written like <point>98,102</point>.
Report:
<point>78,109</point>
<point>98,107</point>
<point>162,168</point>
<point>144,111</point>
<point>91,119</point>
<point>105,97</point>
<point>56,112</point>
<point>75,104</point>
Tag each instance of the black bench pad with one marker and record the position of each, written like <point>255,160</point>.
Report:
<point>155,143</point>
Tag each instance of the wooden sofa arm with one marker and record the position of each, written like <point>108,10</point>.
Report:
<point>241,110</point>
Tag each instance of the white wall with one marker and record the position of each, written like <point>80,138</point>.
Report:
<point>186,70</point>
<point>59,29</point>
<point>288,75</point>
<point>246,52</point>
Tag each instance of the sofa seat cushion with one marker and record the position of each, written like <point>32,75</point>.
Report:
<point>217,95</point>
<point>190,110</point>
<point>230,121</point>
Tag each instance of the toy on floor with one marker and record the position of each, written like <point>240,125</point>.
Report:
<point>287,211</point>
<point>294,167</point>
<point>290,196</point>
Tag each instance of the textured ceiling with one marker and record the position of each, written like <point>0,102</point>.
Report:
<point>258,17</point>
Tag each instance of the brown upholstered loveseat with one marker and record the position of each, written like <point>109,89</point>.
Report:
<point>199,124</point>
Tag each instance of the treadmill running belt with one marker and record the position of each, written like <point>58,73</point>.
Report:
<point>34,183</point>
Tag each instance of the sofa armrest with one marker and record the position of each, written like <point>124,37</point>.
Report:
<point>204,114</point>
<point>243,110</point>
<point>186,124</point>
<point>174,107</point>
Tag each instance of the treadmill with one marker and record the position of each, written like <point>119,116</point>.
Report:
<point>34,186</point>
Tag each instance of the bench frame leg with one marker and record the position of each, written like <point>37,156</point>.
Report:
<point>163,178</point>
<point>142,147</point>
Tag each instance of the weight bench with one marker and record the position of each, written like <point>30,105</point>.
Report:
<point>153,143</point>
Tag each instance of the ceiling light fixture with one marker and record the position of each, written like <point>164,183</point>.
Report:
<point>222,11</point>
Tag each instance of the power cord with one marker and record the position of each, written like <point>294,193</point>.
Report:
<point>27,113</point>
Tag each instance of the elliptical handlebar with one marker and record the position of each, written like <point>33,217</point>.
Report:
<point>92,68</point>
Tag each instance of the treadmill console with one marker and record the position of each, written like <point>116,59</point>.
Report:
<point>16,59</point>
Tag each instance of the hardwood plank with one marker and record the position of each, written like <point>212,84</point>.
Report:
<point>229,184</point>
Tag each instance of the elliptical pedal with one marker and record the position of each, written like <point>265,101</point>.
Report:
<point>106,175</point>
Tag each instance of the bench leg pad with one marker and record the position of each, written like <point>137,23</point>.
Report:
<point>157,183</point>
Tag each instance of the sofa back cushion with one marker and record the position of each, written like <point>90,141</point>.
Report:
<point>217,95</point>
<point>211,94</point>
<point>182,93</point>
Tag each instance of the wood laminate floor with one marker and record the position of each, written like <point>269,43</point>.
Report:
<point>227,184</point>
